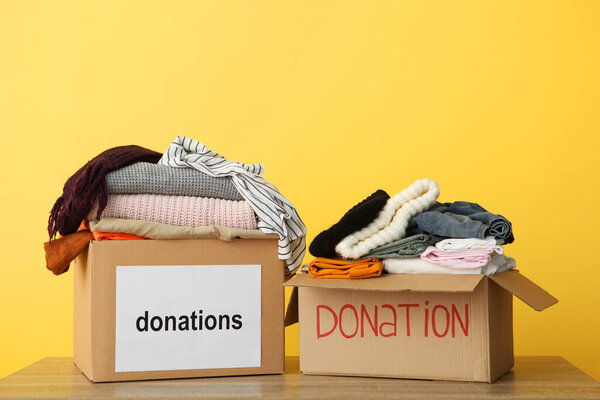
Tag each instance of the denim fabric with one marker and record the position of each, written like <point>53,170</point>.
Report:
<point>462,219</point>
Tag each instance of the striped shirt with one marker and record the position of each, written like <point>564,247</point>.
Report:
<point>275,213</point>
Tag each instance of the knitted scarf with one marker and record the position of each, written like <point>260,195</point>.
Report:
<point>88,185</point>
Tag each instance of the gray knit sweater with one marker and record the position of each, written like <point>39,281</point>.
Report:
<point>142,177</point>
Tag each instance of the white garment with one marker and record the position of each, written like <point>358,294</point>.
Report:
<point>454,244</point>
<point>276,214</point>
<point>392,220</point>
<point>498,263</point>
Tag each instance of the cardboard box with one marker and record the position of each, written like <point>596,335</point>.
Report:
<point>156,309</point>
<point>446,327</point>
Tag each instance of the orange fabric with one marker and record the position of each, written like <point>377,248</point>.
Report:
<point>60,252</point>
<point>328,268</point>
<point>116,236</point>
<point>110,235</point>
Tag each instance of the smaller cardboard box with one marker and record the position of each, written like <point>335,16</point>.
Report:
<point>446,327</point>
<point>157,309</point>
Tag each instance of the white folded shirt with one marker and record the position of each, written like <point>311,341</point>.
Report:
<point>498,263</point>
<point>454,244</point>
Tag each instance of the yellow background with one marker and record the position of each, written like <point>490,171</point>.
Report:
<point>496,101</point>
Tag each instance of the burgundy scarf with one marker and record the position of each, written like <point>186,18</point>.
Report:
<point>88,185</point>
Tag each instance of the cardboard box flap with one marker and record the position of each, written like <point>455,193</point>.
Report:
<point>530,293</point>
<point>394,283</point>
<point>291,314</point>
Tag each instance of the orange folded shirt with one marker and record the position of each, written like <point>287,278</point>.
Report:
<point>328,268</point>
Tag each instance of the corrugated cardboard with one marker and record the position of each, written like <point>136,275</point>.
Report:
<point>448,327</point>
<point>94,299</point>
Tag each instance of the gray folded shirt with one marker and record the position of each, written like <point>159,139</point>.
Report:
<point>142,177</point>
<point>411,246</point>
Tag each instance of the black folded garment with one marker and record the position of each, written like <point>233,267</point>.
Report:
<point>354,220</point>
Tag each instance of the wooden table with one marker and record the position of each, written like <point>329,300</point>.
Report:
<point>532,377</point>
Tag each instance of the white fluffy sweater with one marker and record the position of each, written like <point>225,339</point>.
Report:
<point>392,220</point>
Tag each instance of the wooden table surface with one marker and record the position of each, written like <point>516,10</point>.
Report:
<point>532,377</point>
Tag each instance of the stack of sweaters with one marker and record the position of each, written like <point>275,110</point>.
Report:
<point>412,233</point>
<point>189,192</point>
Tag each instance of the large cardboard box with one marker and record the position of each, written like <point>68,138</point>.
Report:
<point>156,309</point>
<point>446,327</point>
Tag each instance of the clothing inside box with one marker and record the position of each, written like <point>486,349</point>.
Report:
<point>412,233</point>
<point>189,192</point>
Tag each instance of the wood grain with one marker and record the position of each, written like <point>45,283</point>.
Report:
<point>532,377</point>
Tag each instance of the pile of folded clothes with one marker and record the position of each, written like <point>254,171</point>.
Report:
<point>412,233</point>
<point>189,192</point>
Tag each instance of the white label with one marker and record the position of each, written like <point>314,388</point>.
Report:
<point>187,317</point>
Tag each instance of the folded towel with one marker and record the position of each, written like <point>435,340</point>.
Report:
<point>498,263</point>
<point>392,221</point>
<point>179,210</point>
<point>354,220</point>
<point>327,268</point>
<point>147,178</point>
<point>411,246</point>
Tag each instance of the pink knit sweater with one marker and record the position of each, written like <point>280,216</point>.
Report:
<point>179,210</point>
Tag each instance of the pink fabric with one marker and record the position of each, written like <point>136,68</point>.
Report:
<point>179,210</point>
<point>459,259</point>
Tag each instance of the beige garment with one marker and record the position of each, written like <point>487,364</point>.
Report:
<point>156,230</point>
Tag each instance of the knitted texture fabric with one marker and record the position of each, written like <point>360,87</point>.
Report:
<point>179,210</point>
<point>354,220</point>
<point>392,221</point>
<point>147,178</point>
<point>358,217</point>
<point>88,185</point>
